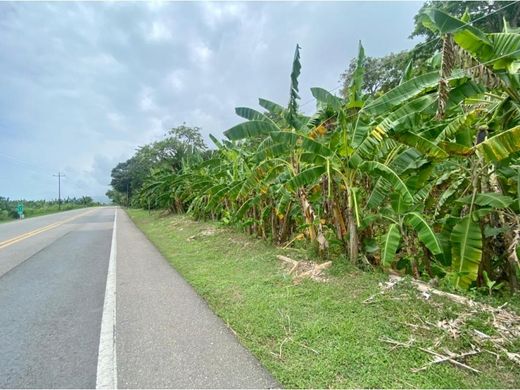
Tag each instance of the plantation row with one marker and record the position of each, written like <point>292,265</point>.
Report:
<point>424,178</point>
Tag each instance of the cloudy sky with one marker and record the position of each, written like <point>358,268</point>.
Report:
<point>83,84</point>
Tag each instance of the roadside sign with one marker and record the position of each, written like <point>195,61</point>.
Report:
<point>19,208</point>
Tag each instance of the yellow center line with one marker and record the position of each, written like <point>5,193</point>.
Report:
<point>27,234</point>
<point>35,232</point>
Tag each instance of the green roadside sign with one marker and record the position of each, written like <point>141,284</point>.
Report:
<point>20,208</point>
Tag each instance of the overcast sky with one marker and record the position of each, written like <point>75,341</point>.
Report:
<point>83,84</point>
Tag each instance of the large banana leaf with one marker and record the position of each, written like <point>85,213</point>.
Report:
<point>309,145</point>
<point>492,199</point>
<point>306,177</point>
<point>390,243</point>
<point>424,232</point>
<point>357,131</point>
<point>456,149</point>
<point>379,193</point>
<point>284,201</point>
<point>438,20</point>
<point>263,150</point>
<point>501,146</point>
<point>223,190</point>
<point>466,90</point>
<point>356,83</point>
<point>215,189</point>
<point>457,124</point>
<point>402,92</point>
<point>402,118</point>
<point>250,129</point>
<point>447,194</point>
<point>313,158</point>
<point>501,50</point>
<point>408,159</point>
<point>248,186</point>
<point>506,51</point>
<point>246,206</point>
<point>250,114</point>
<point>272,107</point>
<point>466,245</point>
<point>398,204</point>
<point>419,183</point>
<point>422,144</point>
<point>407,73</point>
<point>217,143</point>
<point>325,98</point>
<point>292,110</point>
<point>388,174</point>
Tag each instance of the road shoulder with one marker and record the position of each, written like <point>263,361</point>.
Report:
<point>166,334</point>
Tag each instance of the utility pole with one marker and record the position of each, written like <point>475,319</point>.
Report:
<point>59,176</point>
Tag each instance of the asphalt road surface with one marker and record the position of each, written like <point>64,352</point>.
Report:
<point>86,301</point>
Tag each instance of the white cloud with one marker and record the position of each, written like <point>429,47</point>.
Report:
<point>116,121</point>
<point>216,14</point>
<point>176,80</point>
<point>154,129</point>
<point>156,5</point>
<point>158,32</point>
<point>101,60</point>
<point>97,79</point>
<point>146,101</point>
<point>200,53</point>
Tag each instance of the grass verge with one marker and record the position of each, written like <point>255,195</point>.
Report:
<point>31,212</point>
<point>319,335</point>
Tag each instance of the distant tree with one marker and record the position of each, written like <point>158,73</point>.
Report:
<point>122,175</point>
<point>381,73</point>
<point>180,143</point>
<point>86,200</point>
<point>115,196</point>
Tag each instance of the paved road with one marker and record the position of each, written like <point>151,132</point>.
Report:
<point>51,299</point>
<point>58,329</point>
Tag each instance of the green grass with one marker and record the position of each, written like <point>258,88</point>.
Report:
<point>30,212</point>
<point>316,334</point>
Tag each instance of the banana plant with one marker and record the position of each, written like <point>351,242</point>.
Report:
<point>401,234</point>
<point>287,126</point>
<point>467,235</point>
<point>430,168</point>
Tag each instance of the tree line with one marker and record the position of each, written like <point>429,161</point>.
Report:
<point>8,207</point>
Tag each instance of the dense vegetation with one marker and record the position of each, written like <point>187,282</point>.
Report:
<point>423,178</point>
<point>181,143</point>
<point>384,73</point>
<point>32,208</point>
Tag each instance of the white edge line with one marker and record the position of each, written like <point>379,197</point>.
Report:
<point>106,375</point>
